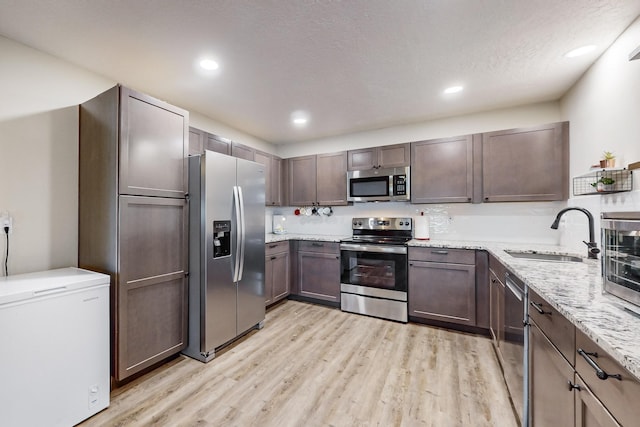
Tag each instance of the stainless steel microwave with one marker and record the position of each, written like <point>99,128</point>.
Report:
<point>621,254</point>
<point>377,185</point>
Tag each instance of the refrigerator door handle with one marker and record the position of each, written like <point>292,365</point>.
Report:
<point>236,251</point>
<point>243,234</point>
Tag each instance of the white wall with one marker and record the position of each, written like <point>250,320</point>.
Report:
<point>39,155</point>
<point>526,115</point>
<point>604,110</point>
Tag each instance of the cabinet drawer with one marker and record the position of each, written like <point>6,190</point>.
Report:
<point>322,247</point>
<point>618,396</point>
<point>450,256</point>
<point>554,325</point>
<point>276,247</point>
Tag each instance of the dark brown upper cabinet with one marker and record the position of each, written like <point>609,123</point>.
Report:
<point>442,170</point>
<point>526,164</point>
<point>200,140</point>
<point>318,180</point>
<point>273,174</point>
<point>388,156</point>
<point>243,152</point>
<point>153,137</point>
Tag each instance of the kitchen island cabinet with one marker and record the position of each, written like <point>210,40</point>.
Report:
<point>442,285</point>
<point>133,221</point>
<point>317,180</point>
<point>277,277</point>
<point>318,271</point>
<point>387,156</point>
<point>526,164</point>
<point>442,170</point>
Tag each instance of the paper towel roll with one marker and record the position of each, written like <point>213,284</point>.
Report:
<point>421,227</point>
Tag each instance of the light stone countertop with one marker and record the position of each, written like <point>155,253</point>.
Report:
<point>573,288</point>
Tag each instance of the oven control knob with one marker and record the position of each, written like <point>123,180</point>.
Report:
<point>401,223</point>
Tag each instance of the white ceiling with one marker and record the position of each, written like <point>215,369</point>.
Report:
<point>354,65</point>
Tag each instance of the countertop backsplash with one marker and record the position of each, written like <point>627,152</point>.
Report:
<point>501,222</point>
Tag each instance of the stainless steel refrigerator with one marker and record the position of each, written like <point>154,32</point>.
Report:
<point>226,251</point>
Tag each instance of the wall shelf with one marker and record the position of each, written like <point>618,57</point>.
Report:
<point>592,182</point>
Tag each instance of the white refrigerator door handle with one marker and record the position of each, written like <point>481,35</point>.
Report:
<point>244,234</point>
<point>236,250</point>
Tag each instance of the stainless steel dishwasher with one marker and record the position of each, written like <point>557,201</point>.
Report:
<point>515,345</point>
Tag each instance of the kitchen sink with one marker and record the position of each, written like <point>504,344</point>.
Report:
<point>537,256</point>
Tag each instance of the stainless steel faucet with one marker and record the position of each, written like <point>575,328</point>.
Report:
<point>592,246</point>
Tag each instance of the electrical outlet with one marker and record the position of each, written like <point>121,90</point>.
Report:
<point>6,221</point>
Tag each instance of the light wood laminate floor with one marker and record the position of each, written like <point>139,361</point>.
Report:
<point>317,366</point>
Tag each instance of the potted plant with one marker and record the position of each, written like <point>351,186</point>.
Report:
<point>604,184</point>
<point>608,161</point>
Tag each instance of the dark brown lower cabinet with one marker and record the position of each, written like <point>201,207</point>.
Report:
<point>551,377</point>
<point>150,311</point>
<point>277,283</point>
<point>442,291</point>
<point>318,266</point>
<point>589,411</point>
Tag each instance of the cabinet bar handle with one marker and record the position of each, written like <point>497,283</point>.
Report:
<point>599,372</point>
<point>317,244</point>
<point>272,246</point>
<point>538,308</point>
<point>273,257</point>
<point>440,252</point>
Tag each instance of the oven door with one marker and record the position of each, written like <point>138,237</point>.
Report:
<point>621,258</point>
<point>374,266</point>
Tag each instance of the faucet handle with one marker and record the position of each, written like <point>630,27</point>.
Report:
<point>592,249</point>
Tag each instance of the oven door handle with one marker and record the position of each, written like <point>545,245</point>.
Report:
<point>385,249</point>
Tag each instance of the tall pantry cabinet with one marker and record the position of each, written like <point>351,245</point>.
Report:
<point>133,221</point>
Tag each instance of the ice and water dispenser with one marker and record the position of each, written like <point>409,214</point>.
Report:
<point>221,238</point>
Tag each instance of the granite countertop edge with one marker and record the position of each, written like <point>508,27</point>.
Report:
<point>572,288</point>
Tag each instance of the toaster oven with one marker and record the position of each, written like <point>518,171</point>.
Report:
<point>621,255</point>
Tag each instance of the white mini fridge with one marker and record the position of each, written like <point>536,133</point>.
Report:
<point>54,362</point>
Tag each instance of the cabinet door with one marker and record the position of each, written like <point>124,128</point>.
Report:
<point>153,146</point>
<point>442,170</point>
<point>365,158</point>
<point>445,292</point>
<point>280,268</point>
<point>319,275</point>
<point>268,279</point>
<point>394,156</point>
<point>265,160</point>
<point>151,289</point>
<point>276,181</point>
<point>242,151</point>
<point>196,141</point>
<point>550,377</point>
<point>302,181</point>
<point>217,143</point>
<point>331,182</point>
<point>526,164</point>
<point>589,411</point>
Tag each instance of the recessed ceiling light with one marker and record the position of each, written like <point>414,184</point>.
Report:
<point>453,89</point>
<point>299,118</point>
<point>579,51</point>
<point>209,64</point>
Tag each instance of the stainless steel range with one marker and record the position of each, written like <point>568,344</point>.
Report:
<point>373,278</point>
